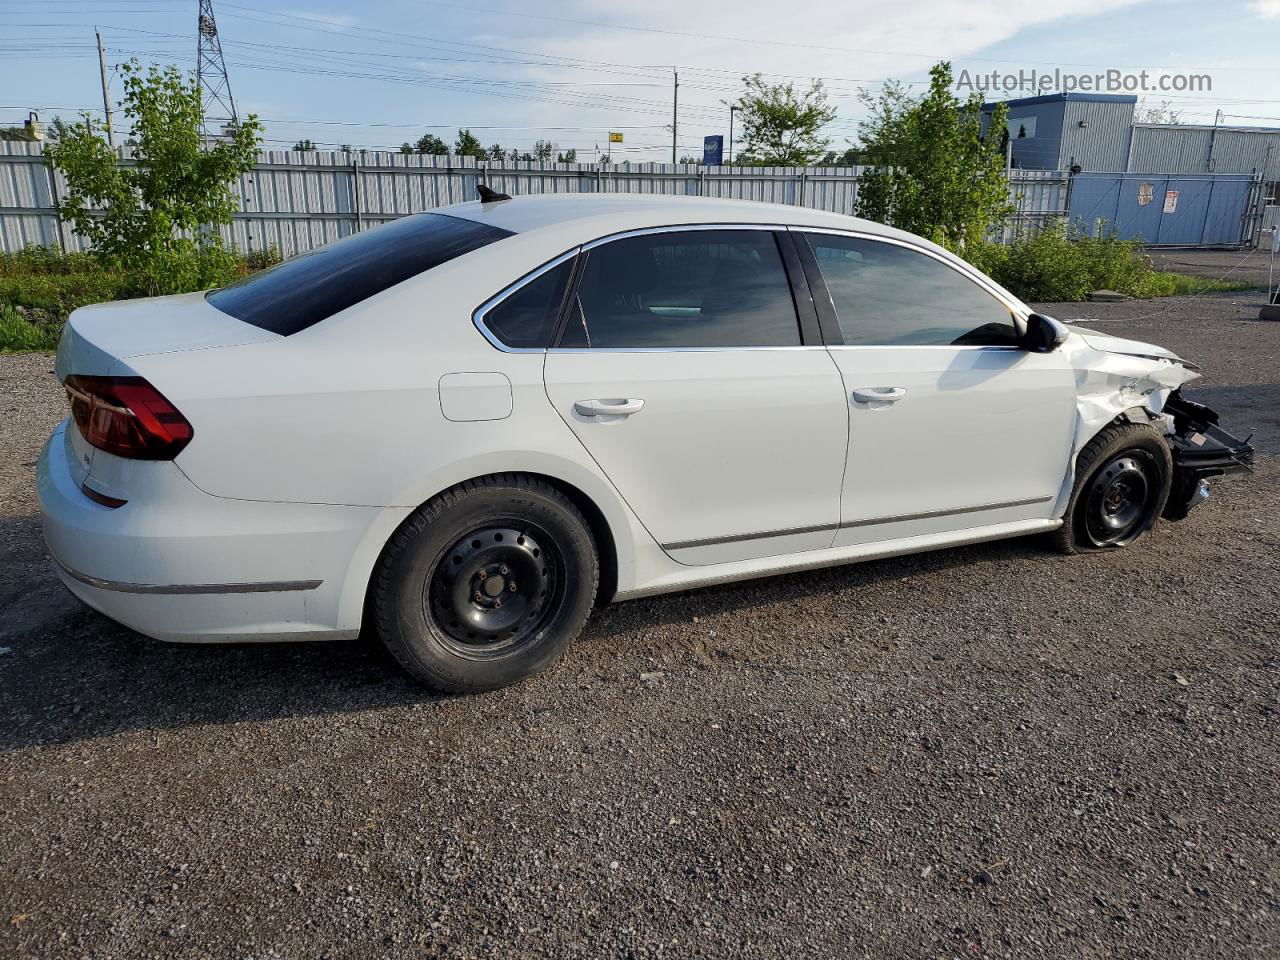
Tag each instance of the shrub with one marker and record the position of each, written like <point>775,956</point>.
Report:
<point>1060,263</point>
<point>261,259</point>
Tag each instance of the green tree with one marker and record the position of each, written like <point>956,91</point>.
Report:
<point>543,150</point>
<point>496,152</point>
<point>428,144</point>
<point>934,173</point>
<point>469,145</point>
<point>850,158</point>
<point>304,146</point>
<point>782,126</point>
<point>157,219</point>
<point>569,156</point>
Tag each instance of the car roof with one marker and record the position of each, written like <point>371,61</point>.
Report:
<point>592,215</point>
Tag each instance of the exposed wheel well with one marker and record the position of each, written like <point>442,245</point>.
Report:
<point>606,547</point>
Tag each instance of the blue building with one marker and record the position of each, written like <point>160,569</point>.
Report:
<point>1054,131</point>
<point>1098,133</point>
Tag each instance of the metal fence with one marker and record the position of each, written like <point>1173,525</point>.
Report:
<point>296,201</point>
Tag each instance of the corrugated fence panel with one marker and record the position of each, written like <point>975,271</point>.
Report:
<point>297,201</point>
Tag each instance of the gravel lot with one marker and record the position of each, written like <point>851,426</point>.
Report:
<point>991,751</point>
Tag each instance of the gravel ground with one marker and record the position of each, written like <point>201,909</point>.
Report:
<point>991,751</point>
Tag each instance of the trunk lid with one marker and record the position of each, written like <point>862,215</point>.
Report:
<point>96,337</point>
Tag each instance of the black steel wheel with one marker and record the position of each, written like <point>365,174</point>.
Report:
<point>486,584</point>
<point>1121,493</point>
<point>1123,476</point>
<point>496,588</point>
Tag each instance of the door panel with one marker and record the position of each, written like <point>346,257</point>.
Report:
<point>727,445</point>
<point>951,424</point>
<point>979,436</point>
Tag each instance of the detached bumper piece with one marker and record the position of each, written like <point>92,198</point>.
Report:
<point>1201,450</point>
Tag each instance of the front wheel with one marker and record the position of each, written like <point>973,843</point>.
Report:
<point>486,584</point>
<point>1123,477</point>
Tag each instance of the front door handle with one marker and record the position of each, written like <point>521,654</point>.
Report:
<point>616,407</point>
<point>879,394</point>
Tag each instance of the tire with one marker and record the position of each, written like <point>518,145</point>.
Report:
<point>1123,477</point>
<point>486,584</point>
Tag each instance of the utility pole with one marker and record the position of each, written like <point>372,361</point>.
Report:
<point>733,108</point>
<point>106,100</point>
<point>675,112</point>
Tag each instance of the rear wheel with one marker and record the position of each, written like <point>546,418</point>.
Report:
<point>1123,476</point>
<point>486,584</point>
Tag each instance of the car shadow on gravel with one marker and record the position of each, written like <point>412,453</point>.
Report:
<point>80,676</point>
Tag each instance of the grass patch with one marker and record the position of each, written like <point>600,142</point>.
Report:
<point>1165,284</point>
<point>20,335</point>
<point>39,288</point>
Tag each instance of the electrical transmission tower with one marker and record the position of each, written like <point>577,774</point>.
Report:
<point>217,108</point>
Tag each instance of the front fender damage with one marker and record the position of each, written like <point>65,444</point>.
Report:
<point>1123,379</point>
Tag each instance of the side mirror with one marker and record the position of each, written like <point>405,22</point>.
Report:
<point>1043,334</point>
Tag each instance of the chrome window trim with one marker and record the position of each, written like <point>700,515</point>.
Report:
<point>1019,310</point>
<point>680,228</point>
<point>478,315</point>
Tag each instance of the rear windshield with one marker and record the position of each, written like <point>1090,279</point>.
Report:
<point>301,292</point>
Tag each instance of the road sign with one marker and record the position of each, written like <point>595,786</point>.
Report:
<point>713,150</point>
<point>615,137</point>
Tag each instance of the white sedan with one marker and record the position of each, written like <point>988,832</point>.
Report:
<point>468,427</point>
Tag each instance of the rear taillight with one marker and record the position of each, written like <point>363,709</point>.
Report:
<point>127,416</point>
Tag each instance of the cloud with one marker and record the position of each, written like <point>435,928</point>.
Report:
<point>854,43</point>
<point>1266,9</point>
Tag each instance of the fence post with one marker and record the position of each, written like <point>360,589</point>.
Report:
<point>355,193</point>
<point>53,195</point>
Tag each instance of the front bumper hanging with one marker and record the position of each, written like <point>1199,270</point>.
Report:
<point>1201,449</point>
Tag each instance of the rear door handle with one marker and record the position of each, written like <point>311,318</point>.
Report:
<point>615,407</point>
<point>879,394</point>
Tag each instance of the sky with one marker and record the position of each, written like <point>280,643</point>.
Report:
<point>376,73</point>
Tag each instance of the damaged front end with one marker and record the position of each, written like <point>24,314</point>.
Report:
<point>1201,449</point>
<point>1126,379</point>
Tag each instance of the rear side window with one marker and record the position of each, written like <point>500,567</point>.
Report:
<point>696,288</point>
<point>301,292</point>
<point>526,319</point>
<point>887,295</point>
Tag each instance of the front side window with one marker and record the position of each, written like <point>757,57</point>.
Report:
<point>312,287</point>
<point>526,319</point>
<point>888,295</point>
<point>683,289</point>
